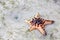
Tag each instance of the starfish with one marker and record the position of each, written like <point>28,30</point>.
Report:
<point>39,23</point>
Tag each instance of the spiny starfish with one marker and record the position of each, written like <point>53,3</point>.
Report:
<point>39,23</point>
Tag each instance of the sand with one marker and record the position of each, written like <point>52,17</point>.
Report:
<point>13,14</point>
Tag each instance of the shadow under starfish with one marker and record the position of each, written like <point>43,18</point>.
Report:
<point>39,23</point>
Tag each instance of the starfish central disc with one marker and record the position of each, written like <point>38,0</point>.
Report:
<point>36,21</point>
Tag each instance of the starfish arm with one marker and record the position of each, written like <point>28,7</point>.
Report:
<point>43,26</point>
<point>37,15</point>
<point>48,22</point>
<point>41,30</point>
<point>32,28</point>
<point>27,21</point>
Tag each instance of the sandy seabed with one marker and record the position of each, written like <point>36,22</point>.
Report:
<point>13,14</point>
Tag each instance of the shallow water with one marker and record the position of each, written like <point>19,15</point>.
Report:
<point>13,14</point>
